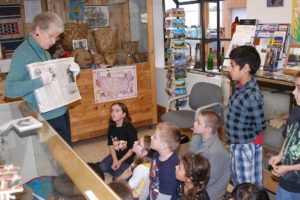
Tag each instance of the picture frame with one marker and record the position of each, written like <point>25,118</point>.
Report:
<point>80,44</point>
<point>96,16</point>
<point>274,3</point>
<point>292,62</point>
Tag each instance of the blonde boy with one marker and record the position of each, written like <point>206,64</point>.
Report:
<point>205,140</point>
<point>286,164</point>
<point>163,181</point>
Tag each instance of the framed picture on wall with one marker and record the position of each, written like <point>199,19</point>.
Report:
<point>292,64</point>
<point>96,16</point>
<point>80,44</point>
<point>274,3</point>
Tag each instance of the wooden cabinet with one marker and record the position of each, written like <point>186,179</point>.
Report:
<point>90,119</point>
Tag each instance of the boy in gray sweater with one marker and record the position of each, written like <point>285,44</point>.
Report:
<point>205,141</point>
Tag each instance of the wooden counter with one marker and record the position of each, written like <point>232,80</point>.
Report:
<point>275,80</point>
<point>90,119</point>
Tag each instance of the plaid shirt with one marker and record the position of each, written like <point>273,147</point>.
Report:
<point>245,116</point>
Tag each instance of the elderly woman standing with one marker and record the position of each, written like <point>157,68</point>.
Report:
<point>46,29</point>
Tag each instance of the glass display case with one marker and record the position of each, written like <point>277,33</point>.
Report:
<point>47,164</point>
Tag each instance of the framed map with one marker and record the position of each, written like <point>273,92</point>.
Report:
<point>115,83</point>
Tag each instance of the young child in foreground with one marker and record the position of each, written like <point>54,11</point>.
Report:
<point>245,118</point>
<point>249,191</point>
<point>121,136</point>
<point>205,140</point>
<point>163,182</point>
<point>286,164</point>
<point>193,171</point>
<point>138,172</point>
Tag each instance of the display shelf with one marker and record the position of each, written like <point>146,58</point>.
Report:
<point>208,40</point>
<point>45,156</point>
<point>203,39</point>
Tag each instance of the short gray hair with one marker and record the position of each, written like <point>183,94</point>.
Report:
<point>45,19</point>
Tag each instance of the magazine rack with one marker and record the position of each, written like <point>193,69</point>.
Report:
<point>46,156</point>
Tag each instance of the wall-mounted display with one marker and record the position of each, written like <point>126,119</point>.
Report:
<point>76,9</point>
<point>115,83</point>
<point>96,16</point>
<point>274,3</point>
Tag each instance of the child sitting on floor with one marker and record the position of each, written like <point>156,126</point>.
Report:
<point>163,182</point>
<point>138,172</point>
<point>205,140</point>
<point>249,191</point>
<point>193,171</point>
<point>121,136</point>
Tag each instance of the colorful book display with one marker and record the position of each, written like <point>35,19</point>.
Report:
<point>175,53</point>
<point>270,40</point>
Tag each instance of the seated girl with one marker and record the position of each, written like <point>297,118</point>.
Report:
<point>194,171</point>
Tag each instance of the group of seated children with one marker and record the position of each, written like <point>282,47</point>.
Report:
<point>204,172</point>
<point>161,175</point>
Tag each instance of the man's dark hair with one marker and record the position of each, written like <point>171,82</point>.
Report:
<point>246,55</point>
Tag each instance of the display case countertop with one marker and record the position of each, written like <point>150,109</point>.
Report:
<point>42,154</point>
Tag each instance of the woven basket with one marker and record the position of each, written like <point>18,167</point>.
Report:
<point>97,59</point>
<point>110,57</point>
<point>74,31</point>
<point>105,39</point>
<point>131,47</point>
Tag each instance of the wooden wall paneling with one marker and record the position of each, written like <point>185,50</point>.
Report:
<point>23,19</point>
<point>59,7</point>
<point>227,7</point>
<point>236,3</point>
<point>151,57</point>
<point>116,18</point>
<point>89,119</point>
<point>126,22</point>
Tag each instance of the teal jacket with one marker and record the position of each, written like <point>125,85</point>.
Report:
<point>18,82</point>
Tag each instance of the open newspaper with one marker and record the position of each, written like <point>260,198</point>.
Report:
<point>62,90</point>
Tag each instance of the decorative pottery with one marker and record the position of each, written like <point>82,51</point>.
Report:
<point>82,57</point>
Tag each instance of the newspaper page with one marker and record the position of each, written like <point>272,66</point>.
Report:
<point>62,90</point>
